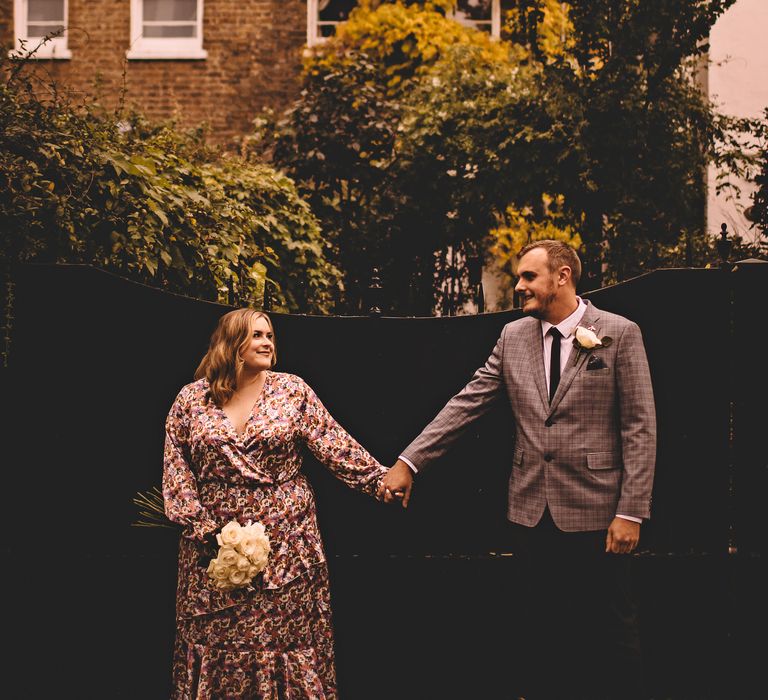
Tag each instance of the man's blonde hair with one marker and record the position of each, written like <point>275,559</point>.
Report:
<point>558,254</point>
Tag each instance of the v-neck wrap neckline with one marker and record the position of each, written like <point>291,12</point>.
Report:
<point>251,414</point>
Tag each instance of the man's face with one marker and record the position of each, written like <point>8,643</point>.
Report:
<point>537,285</point>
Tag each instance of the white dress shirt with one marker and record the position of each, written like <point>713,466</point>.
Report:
<point>567,328</point>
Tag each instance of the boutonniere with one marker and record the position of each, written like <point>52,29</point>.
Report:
<point>586,340</point>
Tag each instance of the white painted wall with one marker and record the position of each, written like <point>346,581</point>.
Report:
<point>738,84</point>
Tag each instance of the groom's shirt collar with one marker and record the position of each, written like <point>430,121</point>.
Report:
<point>568,325</point>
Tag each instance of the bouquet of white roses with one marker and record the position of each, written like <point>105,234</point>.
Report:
<point>243,553</point>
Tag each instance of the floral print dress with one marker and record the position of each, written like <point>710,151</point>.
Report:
<point>274,640</point>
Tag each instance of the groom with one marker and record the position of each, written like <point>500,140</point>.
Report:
<point>578,383</point>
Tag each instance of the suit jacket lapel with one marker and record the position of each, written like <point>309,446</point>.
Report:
<point>589,319</point>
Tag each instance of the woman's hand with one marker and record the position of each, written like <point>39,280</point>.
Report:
<point>396,484</point>
<point>209,550</point>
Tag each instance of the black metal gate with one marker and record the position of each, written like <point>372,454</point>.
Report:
<point>94,362</point>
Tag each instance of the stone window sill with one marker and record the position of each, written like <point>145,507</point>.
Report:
<point>149,55</point>
<point>40,55</point>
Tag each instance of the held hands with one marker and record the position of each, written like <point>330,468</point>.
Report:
<point>623,536</point>
<point>396,484</point>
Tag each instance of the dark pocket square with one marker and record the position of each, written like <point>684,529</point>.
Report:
<point>596,362</point>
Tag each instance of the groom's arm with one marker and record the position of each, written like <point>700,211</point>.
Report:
<point>637,421</point>
<point>473,401</point>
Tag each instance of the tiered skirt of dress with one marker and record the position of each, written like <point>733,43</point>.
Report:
<point>278,645</point>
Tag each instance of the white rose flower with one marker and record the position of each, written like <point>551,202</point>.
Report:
<point>587,338</point>
<point>231,534</point>
<point>259,558</point>
<point>243,563</point>
<point>220,572</point>
<point>228,556</point>
<point>254,546</point>
<point>248,545</point>
<point>238,577</point>
<point>211,566</point>
<point>255,529</point>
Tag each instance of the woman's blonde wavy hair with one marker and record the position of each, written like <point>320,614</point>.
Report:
<point>222,365</point>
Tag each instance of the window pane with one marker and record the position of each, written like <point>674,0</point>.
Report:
<point>326,30</point>
<point>474,10</point>
<point>166,31</point>
<point>170,10</point>
<point>40,30</point>
<point>335,10</point>
<point>45,11</point>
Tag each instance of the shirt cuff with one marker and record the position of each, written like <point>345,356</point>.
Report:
<point>409,463</point>
<point>624,517</point>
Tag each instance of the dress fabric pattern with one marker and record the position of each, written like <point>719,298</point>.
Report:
<point>274,640</point>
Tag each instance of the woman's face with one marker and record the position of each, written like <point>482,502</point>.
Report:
<point>259,350</point>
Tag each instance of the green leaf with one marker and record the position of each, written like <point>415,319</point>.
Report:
<point>158,212</point>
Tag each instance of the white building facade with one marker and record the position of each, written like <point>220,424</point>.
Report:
<point>737,82</point>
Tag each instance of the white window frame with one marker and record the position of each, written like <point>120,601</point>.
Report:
<point>163,48</point>
<point>313,22</point>
<point>56,48</point>
<point>495,20</point>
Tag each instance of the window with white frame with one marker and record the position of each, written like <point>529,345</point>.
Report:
<point>323,16</point>
<point>166,29</point>
<point>484,15</point>
<point>35,19</point>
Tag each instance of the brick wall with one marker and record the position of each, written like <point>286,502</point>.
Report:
<point>254,56</point>
<point>6,23</point>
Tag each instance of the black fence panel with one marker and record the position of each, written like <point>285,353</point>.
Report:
<point>96,361</point>
<point>682,314</point>
<point>746,360</point>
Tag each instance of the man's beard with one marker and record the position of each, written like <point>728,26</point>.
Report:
<point>541,310</point>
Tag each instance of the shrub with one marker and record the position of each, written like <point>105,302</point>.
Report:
<point>80,185</point>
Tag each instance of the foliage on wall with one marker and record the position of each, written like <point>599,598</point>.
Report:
<point>82,185</point>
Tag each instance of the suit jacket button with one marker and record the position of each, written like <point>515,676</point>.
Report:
<point>547,457</point>
<point>549,422</point>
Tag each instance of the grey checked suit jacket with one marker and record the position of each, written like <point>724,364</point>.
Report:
<point>588,455</point>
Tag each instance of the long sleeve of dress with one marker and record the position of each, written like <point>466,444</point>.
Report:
<point>336,449</point>
<point>182,500</point>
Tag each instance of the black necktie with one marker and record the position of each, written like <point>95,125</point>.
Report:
<point>554,362</point>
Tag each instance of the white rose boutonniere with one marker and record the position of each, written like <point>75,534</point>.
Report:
<point>586,340</point>
<point>243,553</point>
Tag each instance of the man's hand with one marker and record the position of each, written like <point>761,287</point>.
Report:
<point>623,536</point>
<point>397,483</point>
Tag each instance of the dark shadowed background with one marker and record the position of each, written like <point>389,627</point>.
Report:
<point>94,363</point>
